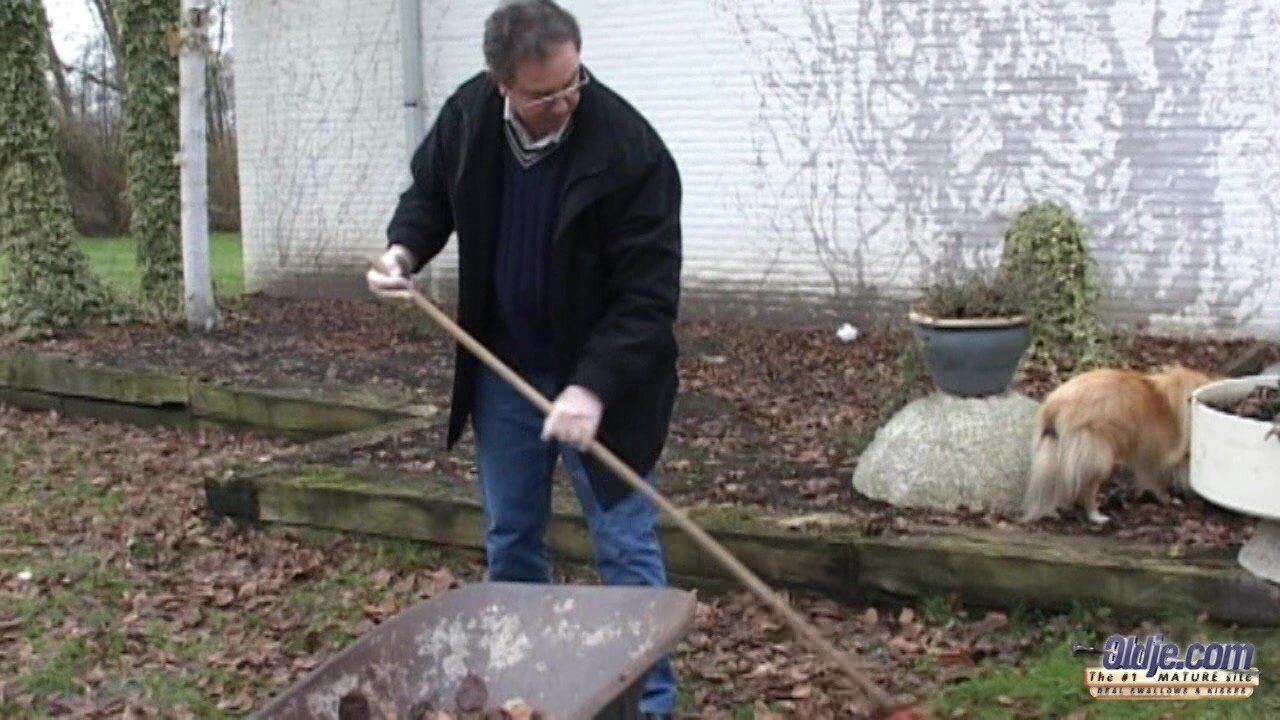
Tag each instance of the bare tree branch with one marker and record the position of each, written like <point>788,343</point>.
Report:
<point>105,10</point>
<point>93,77</point>
<point>55,63</point>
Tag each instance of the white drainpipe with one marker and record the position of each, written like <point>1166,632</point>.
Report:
<point>411,66</point>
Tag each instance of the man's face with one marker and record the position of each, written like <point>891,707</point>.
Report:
<point>546,92</point>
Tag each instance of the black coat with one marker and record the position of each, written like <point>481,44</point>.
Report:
<point>616,257</point>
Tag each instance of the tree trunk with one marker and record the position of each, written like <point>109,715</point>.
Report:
<point>151,144</point>
<point>202,312</point>
<point>47,283</point>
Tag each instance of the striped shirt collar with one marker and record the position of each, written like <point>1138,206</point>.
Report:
<point>527,150</point>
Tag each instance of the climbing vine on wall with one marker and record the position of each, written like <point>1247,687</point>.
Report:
<point>47,282</point>
<point>151,143</point>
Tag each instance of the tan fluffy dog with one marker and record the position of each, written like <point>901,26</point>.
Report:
<point>1103,419</point>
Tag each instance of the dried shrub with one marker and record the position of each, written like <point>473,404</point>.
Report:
<point>975,294</point>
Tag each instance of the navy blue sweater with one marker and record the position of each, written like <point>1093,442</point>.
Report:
<point>522,261</point>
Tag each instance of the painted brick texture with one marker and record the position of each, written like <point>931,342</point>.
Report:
<point>833,152</point>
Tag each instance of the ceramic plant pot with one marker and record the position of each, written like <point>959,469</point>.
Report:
<point>972,357</point>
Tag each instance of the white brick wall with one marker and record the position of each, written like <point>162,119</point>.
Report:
<point>831,149</point>
<point>321,138</point>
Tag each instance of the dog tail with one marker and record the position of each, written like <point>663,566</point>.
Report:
<point>1061,463</point>
<point>1042,494</point>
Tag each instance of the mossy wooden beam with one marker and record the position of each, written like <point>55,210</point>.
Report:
<point>44,380</point>
<point>307,410</point>
<point>1054,571</point>
<point>55,374</point>
<point>72,406</point>
<point>983,568</point>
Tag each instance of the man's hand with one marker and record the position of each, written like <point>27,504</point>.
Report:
<point>389,276</point>
<point>574,417</point>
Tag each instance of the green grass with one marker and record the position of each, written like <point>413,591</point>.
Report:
<point>114,260</point>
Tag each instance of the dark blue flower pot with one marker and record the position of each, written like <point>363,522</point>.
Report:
<point>972,357</point>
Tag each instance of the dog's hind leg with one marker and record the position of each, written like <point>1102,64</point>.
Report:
<point>1155,482</point>
<point>1089,497</point>
<point>1180,475</point>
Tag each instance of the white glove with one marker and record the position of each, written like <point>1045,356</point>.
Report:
<point>389,277</point>
<point>574,417</point>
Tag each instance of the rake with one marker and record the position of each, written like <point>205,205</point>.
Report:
<point>879,698</point>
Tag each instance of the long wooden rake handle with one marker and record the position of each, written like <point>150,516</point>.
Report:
<point>878,696</point>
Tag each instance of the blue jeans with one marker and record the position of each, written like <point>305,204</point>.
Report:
<point>515,467</point>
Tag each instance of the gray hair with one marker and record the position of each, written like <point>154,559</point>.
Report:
<point>522,29</point>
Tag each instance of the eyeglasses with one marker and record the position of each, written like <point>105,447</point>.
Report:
<point>544,100</point>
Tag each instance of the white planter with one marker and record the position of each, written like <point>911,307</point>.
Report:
<point>1233,462</point>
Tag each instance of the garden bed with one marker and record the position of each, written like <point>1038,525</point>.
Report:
<point>1186,524</point>
<point>769,418</point>
<point>755,428</point>
<point>317,485</point>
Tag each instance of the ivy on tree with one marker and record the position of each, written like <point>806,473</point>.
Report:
<point>47,281</point>
<point>151,144</point>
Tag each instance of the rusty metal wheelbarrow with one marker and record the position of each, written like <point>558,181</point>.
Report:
<point>571,652</point>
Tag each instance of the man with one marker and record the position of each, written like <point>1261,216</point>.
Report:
<point>566,205</point>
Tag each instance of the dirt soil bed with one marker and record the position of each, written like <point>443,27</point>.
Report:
<point>1263,403</point>
<point>768,417</point>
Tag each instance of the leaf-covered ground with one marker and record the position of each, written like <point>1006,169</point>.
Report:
<point>120,598</point>
<point>118,595</point>
<point>767,417</point>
